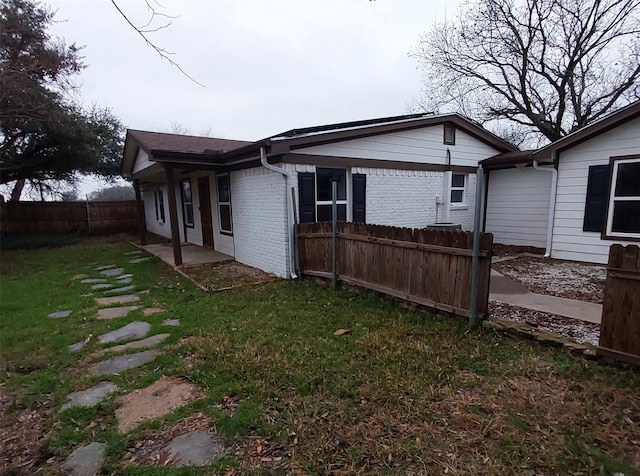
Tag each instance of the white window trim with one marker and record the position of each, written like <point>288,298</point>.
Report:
<point>613,199</point>
<point>463,203</point>
<point>223,231</point>
<point>159,201</point>
<point>330,202</point>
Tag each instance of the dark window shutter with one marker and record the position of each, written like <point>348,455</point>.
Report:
<point>307,197</point>
<point>595,207</point>
<point>359,197</point>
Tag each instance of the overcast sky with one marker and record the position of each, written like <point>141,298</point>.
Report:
<point>267,66</point>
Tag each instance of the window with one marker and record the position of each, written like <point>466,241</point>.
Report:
<point>224,204</point>
<point>187,203</point>
<point>314,195</point>
<point>159,201</point>
<point>324,177</point>
<point>449,134</point>
<point>458,182</point>
<point>595,207</point>
<point>623,218</point>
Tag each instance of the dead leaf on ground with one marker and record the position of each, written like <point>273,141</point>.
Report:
<point>342,332</point>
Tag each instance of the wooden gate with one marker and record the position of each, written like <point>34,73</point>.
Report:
<point>620,327</point>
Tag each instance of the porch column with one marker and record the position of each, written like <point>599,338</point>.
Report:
<point>142,223</point>
<point>173,215</point>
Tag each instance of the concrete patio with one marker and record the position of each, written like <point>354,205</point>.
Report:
<point>192,255</point>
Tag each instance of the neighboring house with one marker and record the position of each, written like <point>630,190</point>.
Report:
<point>574,197</point>
<point>243,198</point>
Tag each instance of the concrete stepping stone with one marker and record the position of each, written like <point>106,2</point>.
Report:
<point>198,448</point>
<point>107,301</point>
<point>107,266</point>
<point>152,310</point>
<point>112,272</point>
<point>171,322</point>
<point>130,253</point>
<point>124,362</point>
<point>86,460</point>
<point>89,397</point>
<point>78,346</point>
<point>124,281</point>
<point>101,286</point>
<point>80,276</point>
<point>123,289</point>
<point>59,314</point>
<point>93,280</point>
<point>125,276</point>
<point>113,312</point>
<point>136,344</point>
<point>133,330</point>
<point>139,260</point>
<point>86,295</point>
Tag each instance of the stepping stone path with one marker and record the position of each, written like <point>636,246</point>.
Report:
<point>89,397</point>
<point>136,344</point>
<point>59,314</point>
<point>152,310</point>
<point>124,362</point>
<point>130,253</point>
<point>139,260</point>
<point>123,289</point>
<point>101,286</point>
<point>86,460</point>
<point>112,272</point>
<point>158,399</point>
<point>113,312</point>
<point>107,301</point>
<point>198,448</point>
<point>135,329</point>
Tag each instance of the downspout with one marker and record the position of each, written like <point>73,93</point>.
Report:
<point>290,212</point>
<point>446,191</point>
<point>552,202</point>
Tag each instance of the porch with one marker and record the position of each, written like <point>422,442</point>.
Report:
<point>192,255</point>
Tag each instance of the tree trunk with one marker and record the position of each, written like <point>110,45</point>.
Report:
<point>17,190</point>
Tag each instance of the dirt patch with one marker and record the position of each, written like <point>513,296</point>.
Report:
<point>567,279</point>
<point>222,276</point>
<point>22,436</point>
<point>154,401</point>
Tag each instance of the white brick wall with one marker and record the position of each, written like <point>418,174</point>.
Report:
<point>259,219</point>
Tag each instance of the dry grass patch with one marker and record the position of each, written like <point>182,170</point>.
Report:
<point>225,276</point>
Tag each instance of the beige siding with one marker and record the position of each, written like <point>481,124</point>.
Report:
<point>423,145</point>
<point>518,206</point>
<point>569,241</point>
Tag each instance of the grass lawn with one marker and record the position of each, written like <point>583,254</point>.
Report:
<point>405,392</point>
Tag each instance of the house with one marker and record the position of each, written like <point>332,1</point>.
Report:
<point>576,196</point>
<point>243,198</point>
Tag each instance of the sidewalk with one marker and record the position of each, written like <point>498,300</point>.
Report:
<point>508,291</point>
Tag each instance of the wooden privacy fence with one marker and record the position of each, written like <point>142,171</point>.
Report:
<point>67,217</point>
<point>427,267</point>
<point>620,327</point>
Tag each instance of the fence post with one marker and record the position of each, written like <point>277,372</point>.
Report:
<point>88,213</point>
<point>334,219</point>
<point>473,303</point>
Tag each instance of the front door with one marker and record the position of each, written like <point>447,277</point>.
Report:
<point>205,212</point>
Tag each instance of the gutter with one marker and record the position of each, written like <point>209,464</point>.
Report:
<point>552,201</point>
<point>290,211</point>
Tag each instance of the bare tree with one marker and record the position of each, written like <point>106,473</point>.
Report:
<point>157,21</point>
<point>551,66</point>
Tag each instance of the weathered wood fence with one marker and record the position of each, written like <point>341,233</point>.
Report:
<point>427,267</point>
<point>67,217</point>
<point>620,327</point>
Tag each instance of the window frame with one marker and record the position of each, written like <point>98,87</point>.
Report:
<point>225,203</point>
<point>607,232</point>
<point>159,202</point>
<point>187,204</point>
<point>463,202</point>
<point>344,202</point>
